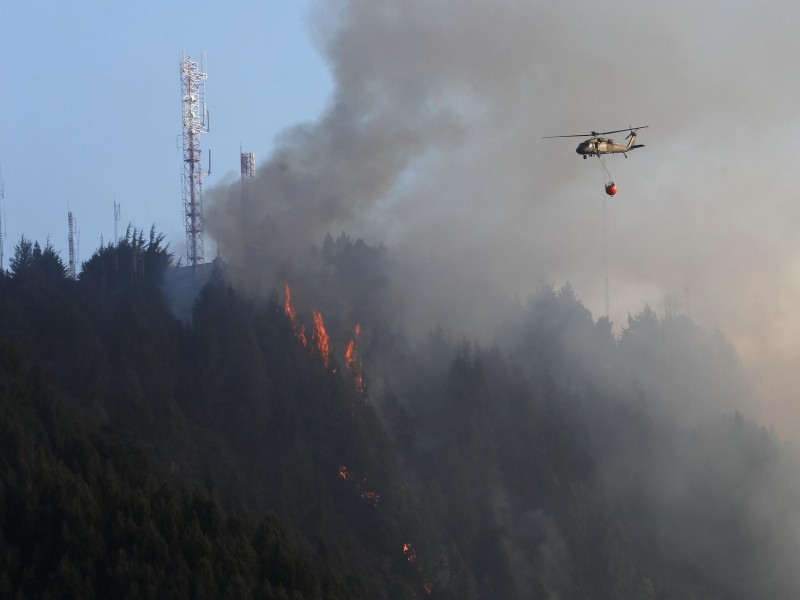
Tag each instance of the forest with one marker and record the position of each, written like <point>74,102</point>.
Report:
<point>295,443</point>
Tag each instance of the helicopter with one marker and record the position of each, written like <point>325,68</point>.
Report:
<point>596,145</point>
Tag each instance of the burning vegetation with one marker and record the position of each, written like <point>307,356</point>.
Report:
<point>354,364</point>
<point>321,339</point>
<point>322,342</point>
<point>300,330</point>
<point>372,497</point>
<point>319,336</point>
<point>409,553</point>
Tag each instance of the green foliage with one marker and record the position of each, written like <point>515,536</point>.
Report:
<point>31,264</point>
<point>141,456</point>
<point>132,261</point>
<point>83,515</point>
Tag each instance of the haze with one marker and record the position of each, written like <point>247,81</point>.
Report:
<point>431,143</point>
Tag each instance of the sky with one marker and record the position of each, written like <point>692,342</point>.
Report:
<point>90,107</point>
<point>418,124</point>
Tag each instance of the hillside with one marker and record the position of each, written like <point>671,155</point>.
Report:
<point>262,449</point>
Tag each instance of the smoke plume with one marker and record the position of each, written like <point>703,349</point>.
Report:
<point>431,144</point>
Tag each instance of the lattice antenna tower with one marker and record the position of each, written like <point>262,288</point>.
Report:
<point>195,123</point>
<point>248,162</point>
<point>73,272</point>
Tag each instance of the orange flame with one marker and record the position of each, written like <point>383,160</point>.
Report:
<point>287,307</point>
<point>354,363</point>
<point>322,339</point>
<point>408,552</point>
<point>300,332</point>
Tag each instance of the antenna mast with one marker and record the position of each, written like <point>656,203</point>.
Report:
<point>195,123</point>
<point>117,213</point>
<point>248,161</point>
<point>73,273</point>
<point>248,167</point>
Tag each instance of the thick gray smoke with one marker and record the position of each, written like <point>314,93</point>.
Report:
<point>431,144</point>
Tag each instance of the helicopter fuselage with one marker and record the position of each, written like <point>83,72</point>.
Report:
<point>599,145</point>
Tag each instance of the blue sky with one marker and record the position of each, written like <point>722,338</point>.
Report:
<point>90,106</point>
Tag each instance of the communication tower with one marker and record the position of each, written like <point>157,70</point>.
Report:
<point>248,165</point>
<point>248,161</point>
<point>117,214</point>
<point>195,123</point>
<point>73,273</point>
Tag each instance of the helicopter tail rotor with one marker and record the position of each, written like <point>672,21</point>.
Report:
<point>634,131</point>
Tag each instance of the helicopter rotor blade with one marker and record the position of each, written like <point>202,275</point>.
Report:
<point>596,133</point>
<point>631,129</point>
<point>545,137</point>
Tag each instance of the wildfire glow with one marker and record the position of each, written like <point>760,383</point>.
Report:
<point>320,336</point>
<point>408,552</point>
<point>373,498</point>
<point>290,312</point>
<point>354,364</point>
<point>300,331</point>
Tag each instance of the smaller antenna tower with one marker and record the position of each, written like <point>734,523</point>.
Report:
<point>117,214</point>
<point>248,161</point>
<point>248,164</point>
<point>73,273</point>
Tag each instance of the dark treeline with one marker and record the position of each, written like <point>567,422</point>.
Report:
<point>145,456</point>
